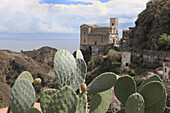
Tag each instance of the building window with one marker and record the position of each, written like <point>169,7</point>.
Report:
<point>165,70</point>
<point>84,40</point>
<point>112,24</point>
<point>84,32</point>
<point>95,43</point>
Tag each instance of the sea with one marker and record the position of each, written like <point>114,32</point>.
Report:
<point>32,41</point>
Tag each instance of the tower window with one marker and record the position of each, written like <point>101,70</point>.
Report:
<point>84,40</point>
<point>84,32</point>
<point>112,24</point>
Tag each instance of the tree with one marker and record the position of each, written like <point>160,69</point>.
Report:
<point>164,42</point>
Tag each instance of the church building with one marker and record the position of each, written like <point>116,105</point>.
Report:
<point>94,37</point>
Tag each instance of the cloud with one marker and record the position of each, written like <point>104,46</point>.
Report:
<point>29,16</point>
<point>3,29</point>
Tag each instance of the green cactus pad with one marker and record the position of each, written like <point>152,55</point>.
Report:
<point>22,96</point>
<point>124,87</point>
<point>26,75</point>
<point>45,99</point>
<point>64,101</point>
<point>120,111</point>
<point>79,77</point>
<point>65,67</point>
<point>159,107</point>
<point>152,92</point>
<point>33,110</point>
<point>79,54</point>
<point>152,78</point>
<point>82,103</point>
<point>101,83</point>
<point>135,104</point>
<point>100,102</point>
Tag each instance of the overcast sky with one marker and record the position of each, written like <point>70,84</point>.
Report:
<point>65,16</point>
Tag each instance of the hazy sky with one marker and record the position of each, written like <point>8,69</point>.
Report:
<point>62,17</point>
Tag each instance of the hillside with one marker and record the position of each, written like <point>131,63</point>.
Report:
<point>151,23</point>
<point>44,55</point>
<point>37,62</point>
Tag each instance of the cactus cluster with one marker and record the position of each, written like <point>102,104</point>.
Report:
<point>150,97</point>
<point>70,74</point>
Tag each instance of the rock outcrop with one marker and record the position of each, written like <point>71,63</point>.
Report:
<point>151,23</point>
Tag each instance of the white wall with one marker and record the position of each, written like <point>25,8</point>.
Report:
<point>166,74</point>
<point>126,58</point>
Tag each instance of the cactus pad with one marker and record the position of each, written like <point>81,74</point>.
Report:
<point>124,87</point>
<point>152,78</point>
<point>100,102</point>
<point>64,66</point>
<point>101,83</point>
<point>45,99</point>
<point>79,54</point>
<point>64,101</point>
<point>135,104</point>
<point>159,106</point>
<point>80,74</point>
<point>152,92</point>
<point>82,103</point>
<point>25,75</point>
<point>22,96</point>
<point>33,110</point>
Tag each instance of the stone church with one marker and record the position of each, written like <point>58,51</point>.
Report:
<point>95,37</point>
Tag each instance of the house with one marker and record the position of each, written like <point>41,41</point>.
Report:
<point>166,70</point>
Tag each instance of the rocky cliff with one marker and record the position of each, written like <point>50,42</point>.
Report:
<point>151,23</point>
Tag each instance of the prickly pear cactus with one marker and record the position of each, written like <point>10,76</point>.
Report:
<point>100,102</point>
<point>64,101</point>
<point>45,99</point>
<point>124,87</point>
<point>32,110</point>
<point>65,67</point>
<point>135,104</point>
<point>25,75</point>
<point>159,107</point>
<point>22,96</point>
<point>152,92</point>
<point>80,74</point>
<point>82,103</point>
<point>152,78</point>
<point>101,83</point>
<point>79,54</point>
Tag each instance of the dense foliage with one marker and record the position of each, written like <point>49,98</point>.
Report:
<point>164,41</point>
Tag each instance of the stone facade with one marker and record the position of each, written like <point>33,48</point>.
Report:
<point>166,70</point>
<point>93,36</point>
<point>126,58</point>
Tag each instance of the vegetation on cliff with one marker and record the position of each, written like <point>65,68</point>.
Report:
<point>150,25</point>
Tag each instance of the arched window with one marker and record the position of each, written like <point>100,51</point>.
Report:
<point>84,32</point>
<point>84,40</point>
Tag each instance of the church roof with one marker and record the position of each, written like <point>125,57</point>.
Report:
<point>95,26</point>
